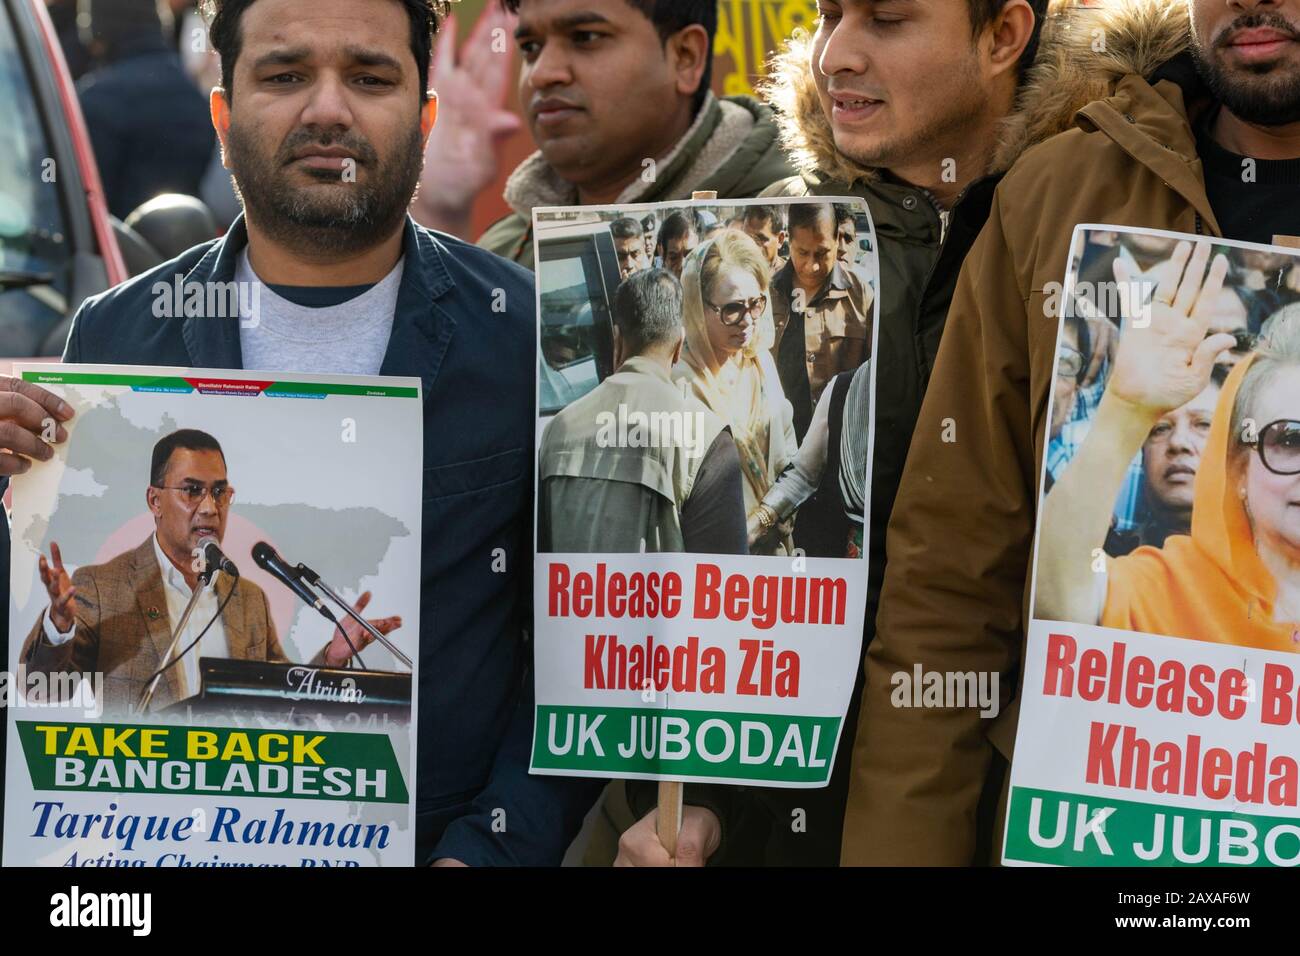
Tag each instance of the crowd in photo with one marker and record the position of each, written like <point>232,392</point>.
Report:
<point>762,315</point>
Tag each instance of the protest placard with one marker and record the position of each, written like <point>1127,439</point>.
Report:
<point>174,700</point>
<point>704,436</point>
<point>1159,695</point>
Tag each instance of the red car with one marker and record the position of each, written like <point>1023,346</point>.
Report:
<point>58,243</point>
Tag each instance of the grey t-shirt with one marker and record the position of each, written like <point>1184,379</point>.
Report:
<point>318,330</point>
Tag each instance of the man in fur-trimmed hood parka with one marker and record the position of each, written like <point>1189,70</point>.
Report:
<point>907,105</point>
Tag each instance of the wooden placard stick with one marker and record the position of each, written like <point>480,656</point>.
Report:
<point>668,819</point>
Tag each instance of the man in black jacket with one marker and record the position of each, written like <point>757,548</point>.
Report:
<point>323,116</point>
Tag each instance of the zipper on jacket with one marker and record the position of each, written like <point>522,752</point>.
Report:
<point>945,220</point>
<point>945,215</point>
<point>918,349</point>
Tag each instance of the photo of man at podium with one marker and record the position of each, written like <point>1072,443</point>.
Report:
<point>119,618</point>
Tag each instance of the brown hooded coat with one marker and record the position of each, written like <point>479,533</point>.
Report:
<point>955,596</point>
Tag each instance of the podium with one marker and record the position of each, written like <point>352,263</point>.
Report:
<point>283,689</point>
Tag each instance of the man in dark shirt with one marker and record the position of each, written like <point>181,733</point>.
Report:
<point>323,113</point>
<point>1254,198</point>
<point>821,309</point>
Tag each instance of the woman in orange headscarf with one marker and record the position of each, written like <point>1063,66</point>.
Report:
<point>1236,578</point>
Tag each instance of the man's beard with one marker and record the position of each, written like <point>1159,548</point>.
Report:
<point>342,219</point>
<point>1249,93</point>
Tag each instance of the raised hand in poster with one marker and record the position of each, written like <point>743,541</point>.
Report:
<point>1166,358</point>
<point>58,584</point>
<point>350,637</point>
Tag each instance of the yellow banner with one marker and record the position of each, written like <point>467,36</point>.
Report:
<point>748,32</point>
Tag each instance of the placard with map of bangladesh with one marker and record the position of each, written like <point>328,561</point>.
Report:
<point>213,622</point>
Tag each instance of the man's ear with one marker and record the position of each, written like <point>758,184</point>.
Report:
<point>428,117</point>
<point>1009,34</point>
<point>220,109</point>
<point>688,50</point>
<point>152,498</point>
<point>618,348</point>
<point>677,350</point>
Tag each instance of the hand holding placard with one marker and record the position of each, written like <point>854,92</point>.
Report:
<point>696,841</point>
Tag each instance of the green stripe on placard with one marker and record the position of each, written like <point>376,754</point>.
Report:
<point>98,378</point>
<point>170,382</point>
<point>1047,826</point>
<point>695,743</point>
<point>219,761</point>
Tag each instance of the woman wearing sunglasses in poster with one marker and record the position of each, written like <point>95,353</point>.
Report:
<point>1236,578</point>
<point>728,365</point>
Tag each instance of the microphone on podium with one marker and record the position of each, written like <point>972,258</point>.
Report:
<point>214,559</point>
<point>269,560</point>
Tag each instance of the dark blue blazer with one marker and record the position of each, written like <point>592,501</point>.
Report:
<point>475,800</point>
